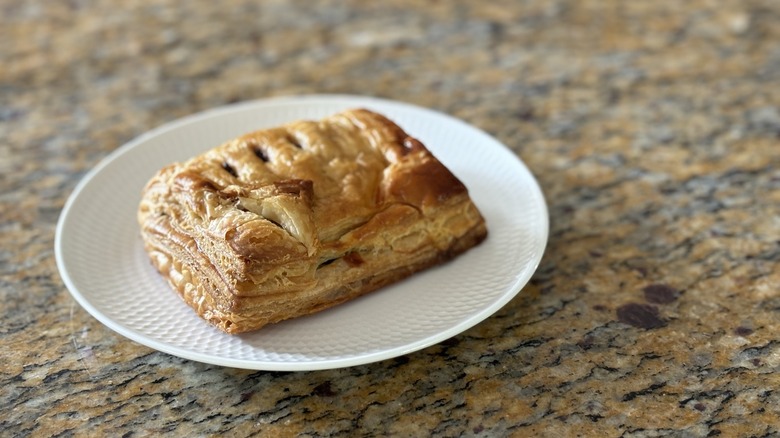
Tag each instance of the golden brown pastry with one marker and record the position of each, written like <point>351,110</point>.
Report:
<point>289,221</point>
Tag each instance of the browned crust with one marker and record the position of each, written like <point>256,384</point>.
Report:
<point>288,309</point>
<point>248,232</point>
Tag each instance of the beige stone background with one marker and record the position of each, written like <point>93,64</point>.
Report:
<point>653,128</point>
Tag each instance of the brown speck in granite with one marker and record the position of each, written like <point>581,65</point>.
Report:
<point>525,114</point>
<point>586,342</point>
<point>660,294</point>
<point>324,389</point>
<point>743,331</point>
<point>640,315</point>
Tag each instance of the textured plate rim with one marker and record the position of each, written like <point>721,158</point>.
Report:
<point>360,359</point>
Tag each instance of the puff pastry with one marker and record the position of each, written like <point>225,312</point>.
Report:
<point>288,221</point>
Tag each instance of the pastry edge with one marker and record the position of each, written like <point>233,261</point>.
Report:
<point>201,301</point>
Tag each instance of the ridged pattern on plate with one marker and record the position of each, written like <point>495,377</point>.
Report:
<point>102,261</point>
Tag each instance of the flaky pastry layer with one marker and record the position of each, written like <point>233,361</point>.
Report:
<point>288,221</point>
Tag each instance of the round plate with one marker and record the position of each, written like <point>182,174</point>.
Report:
<point>102,262</point>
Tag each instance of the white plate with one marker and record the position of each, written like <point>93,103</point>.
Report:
<point>102,262</point>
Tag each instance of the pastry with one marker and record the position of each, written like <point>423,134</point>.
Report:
<point>288,221</point>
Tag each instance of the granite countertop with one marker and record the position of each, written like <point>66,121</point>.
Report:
<point>652,127</point>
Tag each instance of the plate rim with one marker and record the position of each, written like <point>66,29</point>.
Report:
<point>316,364</point>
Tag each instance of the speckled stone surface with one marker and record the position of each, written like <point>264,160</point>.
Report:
<point>654,131</point>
